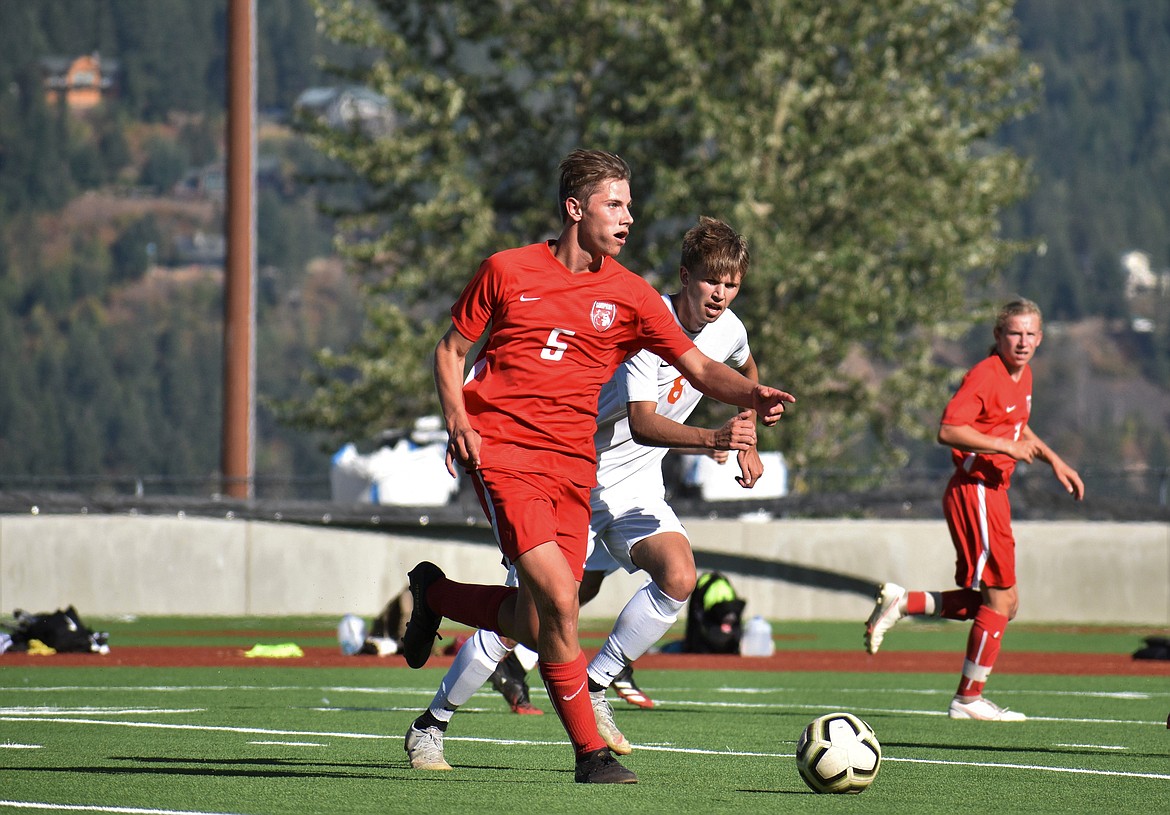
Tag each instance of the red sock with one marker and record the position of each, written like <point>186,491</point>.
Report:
<point>566,683</point>
<point>983,645</point>
<point>960,604</point>
<point>469,603</point>
<point>916,602</point>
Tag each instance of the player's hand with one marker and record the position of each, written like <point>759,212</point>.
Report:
<point>1024,450</point>
<point>750,467</point>
<point>719,456</point>
<point>769,403</point>
<point>1069,479</point>
<point>462,448</point>
<point>737,433</point>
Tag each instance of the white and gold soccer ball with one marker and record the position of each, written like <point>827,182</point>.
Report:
<point>838,752</point>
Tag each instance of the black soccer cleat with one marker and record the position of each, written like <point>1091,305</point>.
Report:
<point>423,626</point>
<point>600,767</point>
<point>509,679</point>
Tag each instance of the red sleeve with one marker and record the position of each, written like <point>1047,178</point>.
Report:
<point>472,312</point>
<point>660,332</point>
<point>967,405</point>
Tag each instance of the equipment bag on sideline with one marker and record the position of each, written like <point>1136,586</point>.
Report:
<point>1155,648</point>
<point>61,630</point>
<point>714,617</point>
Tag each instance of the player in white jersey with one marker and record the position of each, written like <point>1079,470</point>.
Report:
<point>640,415</point>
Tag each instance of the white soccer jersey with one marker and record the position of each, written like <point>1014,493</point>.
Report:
<point>624,464</point>
<point>629,502</point>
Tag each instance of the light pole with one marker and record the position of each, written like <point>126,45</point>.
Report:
<point>237,458</point>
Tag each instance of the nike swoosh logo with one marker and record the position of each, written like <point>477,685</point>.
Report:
<point>575,694</point>
<point>524,298</point>
<point>1010,409</point>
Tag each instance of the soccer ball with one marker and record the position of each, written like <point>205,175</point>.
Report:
<point>838,752</point>
<point>351,634</point>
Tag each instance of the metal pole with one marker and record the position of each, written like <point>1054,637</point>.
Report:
<point>239,350</point>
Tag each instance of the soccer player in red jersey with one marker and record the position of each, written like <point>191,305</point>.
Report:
<point>559,317</point>
<point>986,426</point>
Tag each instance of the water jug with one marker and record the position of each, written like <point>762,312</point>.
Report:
<point>757,638</point>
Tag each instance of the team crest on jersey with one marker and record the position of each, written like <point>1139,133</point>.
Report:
<point>603,315</point>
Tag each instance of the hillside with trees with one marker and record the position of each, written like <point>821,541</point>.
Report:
<point>895,170</point>
<point>111,226</point>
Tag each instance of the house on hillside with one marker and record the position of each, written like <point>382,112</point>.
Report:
<point>345,108</point>
<point>84,82</point>
<point>210,181</point>
<point>1140,277</point>
<point>201,249</point>
<point>1145,291</point>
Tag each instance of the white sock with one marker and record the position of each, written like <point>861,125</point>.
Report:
<point>476,661</point>
<point>932,605</point>
<point>526,656</point>
<point>646,617</point>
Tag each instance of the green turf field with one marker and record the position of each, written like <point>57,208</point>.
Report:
<point>275,739</point>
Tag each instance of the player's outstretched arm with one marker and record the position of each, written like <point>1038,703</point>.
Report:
<point>721,382</point>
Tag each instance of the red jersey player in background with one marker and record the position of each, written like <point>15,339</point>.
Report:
<point>986,426</point>
<point>559,316</point>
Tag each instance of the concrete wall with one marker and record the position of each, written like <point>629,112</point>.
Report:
<point>787,569</point>
<point>1067,571</point>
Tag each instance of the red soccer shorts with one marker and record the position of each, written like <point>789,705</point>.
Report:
<point>980,520</point>
<point>528,509</point>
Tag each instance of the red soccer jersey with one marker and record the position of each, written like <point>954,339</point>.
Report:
<point>993,403</point>
<point>556,338</point>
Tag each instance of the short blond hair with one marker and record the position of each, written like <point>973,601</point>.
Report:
<point>1015,308</point>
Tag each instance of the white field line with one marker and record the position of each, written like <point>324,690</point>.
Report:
<point>101,711</point>
<point>191,688</point>
<point>531,743</point>
<point>538,691</point>
<point>684,703</point>
<point>1139,696</point>
<point>260,731</point>
<point>97,808</point>
<point>49,714</point>
<point>1035,767</point>
<point>902,711</point>
<point>290,743</point>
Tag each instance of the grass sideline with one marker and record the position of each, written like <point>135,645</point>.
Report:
<point>282,739</point>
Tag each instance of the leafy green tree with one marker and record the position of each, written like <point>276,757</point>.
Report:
<point>132,250</point>
<point>849,142</point>
<point>199,138</point>
<point>165,164</point>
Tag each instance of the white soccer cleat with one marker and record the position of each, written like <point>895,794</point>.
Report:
<point>983,710</point>
<point>606,726</point>
<point>887,610</point>
<point>425,749</point>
